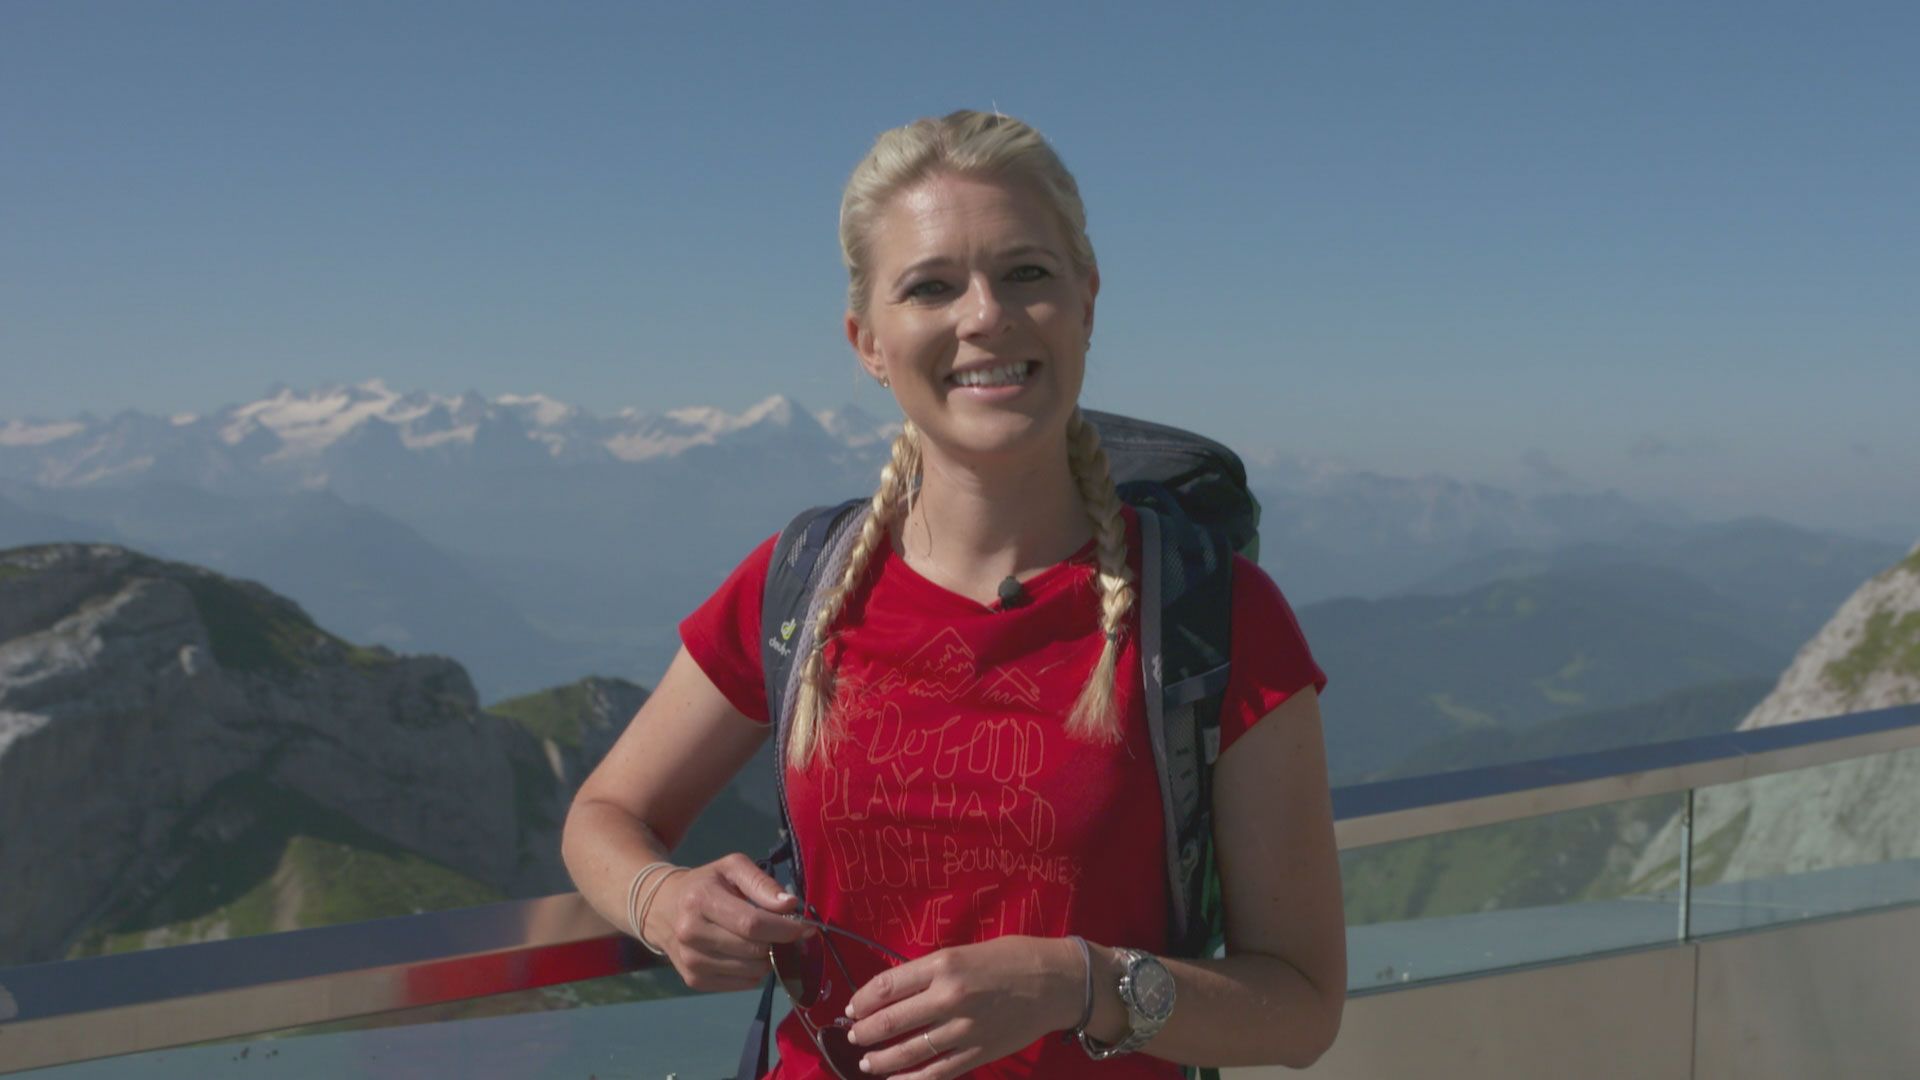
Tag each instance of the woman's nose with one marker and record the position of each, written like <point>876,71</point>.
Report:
<point>985,311</point>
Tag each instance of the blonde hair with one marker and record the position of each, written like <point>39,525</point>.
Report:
<point>966,142</point>
<point>1093,716</point>
<point>977,144</point>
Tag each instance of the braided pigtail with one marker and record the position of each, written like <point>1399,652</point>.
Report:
<point>811,719</point>
<point>1093,714</point>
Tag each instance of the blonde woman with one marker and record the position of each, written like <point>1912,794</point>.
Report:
<point>969,782</point>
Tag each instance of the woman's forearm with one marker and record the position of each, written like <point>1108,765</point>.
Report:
<point>1248,1009</point>
<point>603,846</point>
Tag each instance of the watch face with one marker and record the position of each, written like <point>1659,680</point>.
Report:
<point>1152,989</point>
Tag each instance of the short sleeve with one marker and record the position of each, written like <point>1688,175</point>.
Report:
<point>1271,661</point>
<point>723,634</point>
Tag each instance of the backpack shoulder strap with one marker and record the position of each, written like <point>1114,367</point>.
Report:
<point>801,561</point>
<point>792,578</point>
<point>809,551</point>
<point>1185,652</point>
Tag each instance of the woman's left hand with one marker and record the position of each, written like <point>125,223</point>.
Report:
<point>965,1006</point>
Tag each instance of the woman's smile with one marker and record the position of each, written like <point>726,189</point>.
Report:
<point>994,380</point>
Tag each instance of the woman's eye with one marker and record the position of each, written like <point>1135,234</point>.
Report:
<point>1029,273</point>
<point>926,290</point>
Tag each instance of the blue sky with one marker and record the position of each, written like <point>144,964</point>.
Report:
<point>1668,248</point>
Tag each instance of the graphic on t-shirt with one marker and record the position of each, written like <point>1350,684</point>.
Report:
<point>943,668</point>
<point>934,826</point>
<point>1011,687</point>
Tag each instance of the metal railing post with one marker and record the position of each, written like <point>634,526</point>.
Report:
<point>1686,865</point>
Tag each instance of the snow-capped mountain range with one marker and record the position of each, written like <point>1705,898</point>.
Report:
<point>294,438</point>
<point>538,541</point>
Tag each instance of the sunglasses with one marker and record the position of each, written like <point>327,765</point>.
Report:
<point>820,973</point>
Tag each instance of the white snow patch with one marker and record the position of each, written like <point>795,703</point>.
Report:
<point>19,725</point>
<point>21,433</point>
<point>462,434</point>
<point>312,422</point>
<point>546,411</point>
<point>647,445</point>
<point>128,467</point>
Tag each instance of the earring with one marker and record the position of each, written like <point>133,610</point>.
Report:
<point>885,383</point>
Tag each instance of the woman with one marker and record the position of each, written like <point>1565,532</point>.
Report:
<point>969,781</point>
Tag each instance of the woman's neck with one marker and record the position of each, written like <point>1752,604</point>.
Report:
<point>969,529</point>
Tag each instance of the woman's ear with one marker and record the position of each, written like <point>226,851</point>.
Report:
<point>864,347</point>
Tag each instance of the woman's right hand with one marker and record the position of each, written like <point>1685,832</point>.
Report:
<point>716,922</point>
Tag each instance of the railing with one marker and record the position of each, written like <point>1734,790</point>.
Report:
<point>78,1010</point>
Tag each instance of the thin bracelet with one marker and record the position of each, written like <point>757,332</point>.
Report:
<point>633,890</point>
<point>652,891</point>
<point>1086,1010</point>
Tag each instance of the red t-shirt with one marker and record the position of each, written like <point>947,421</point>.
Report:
<point>955,808</point>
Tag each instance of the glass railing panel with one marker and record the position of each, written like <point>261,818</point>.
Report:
<point>696,1036</point>
<point>1814,842</point>
<point>1552,887</point>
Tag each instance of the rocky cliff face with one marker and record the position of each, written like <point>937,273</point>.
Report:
<point>1863,811</point>
<point>144,705</point>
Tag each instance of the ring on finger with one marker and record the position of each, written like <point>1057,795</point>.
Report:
<point>932,1049</point>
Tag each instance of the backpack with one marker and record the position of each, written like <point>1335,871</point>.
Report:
<point>1195,512</point>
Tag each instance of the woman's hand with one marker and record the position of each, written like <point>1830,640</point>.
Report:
<point>974,1003</point>
<point>716,922</point>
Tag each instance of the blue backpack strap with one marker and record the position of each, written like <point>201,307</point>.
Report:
<point>791,579</point>
<point>1186,649</point>
<point>1186,613</point>
<point>753,1055</point>
<point>800,559</point>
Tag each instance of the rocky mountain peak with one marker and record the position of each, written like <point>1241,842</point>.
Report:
<point>1866,657</point>
<point>1847,813</point>
<point>133,690</point>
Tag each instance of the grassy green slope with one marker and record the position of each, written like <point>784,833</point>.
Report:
<point>554,714</point>
<point>255,860</point>
<point>250,633</point>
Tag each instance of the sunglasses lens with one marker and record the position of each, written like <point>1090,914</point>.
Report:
<point>799,964</point>
<point>820,972</point>
<point>842,1057</point>
<point>841,1054</point>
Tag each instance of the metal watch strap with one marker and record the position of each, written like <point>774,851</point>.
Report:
<point>1141,1030</point>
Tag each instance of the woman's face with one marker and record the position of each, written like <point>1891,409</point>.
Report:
<point>976,316</point>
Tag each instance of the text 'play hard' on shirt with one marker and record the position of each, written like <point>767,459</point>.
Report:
<point>952,807</point>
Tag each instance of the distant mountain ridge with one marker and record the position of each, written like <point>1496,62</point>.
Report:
<point>298,437</point>
<point>1790,578</point>
<point>537,542</point>
<point>529,538</point>
<point>1412,670</point>
<point>1329,532</point>
<point>369,575</point>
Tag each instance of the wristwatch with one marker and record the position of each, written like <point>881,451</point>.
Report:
<point>1146,989</point>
